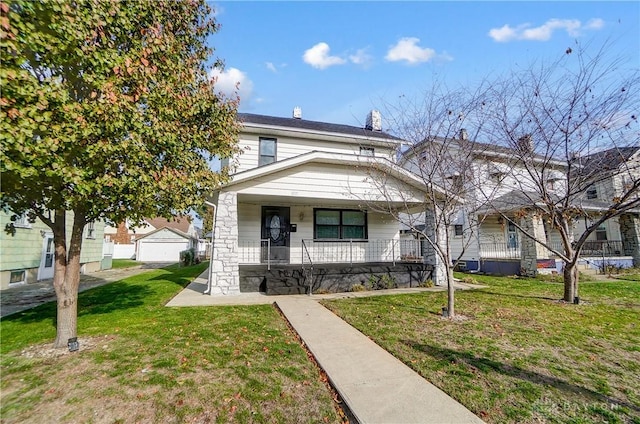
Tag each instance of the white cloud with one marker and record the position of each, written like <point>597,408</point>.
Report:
<point>318,56</point>
<point>361,57</point>
<point>596,23</point>
<point>544,32</point>
<point>270,66</point>
<point>232,81</point>
<point>407,50</point>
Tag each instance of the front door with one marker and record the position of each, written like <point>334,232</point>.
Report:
<point>275,234</point>
<point>46,262</point>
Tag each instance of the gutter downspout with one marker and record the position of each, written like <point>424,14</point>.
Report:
<point>213,226</point>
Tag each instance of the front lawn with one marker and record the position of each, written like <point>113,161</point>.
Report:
<point>516,354</point>
<point>143,362</point>
<point>124,263</point>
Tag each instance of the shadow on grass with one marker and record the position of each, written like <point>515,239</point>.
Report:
<point>129,293</point>
<point>489,365</point>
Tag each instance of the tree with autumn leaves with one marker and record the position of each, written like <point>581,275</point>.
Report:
<point>107,112</point>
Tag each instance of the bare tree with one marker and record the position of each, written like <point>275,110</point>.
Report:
<point>568,124</point>
<point>438,150</point>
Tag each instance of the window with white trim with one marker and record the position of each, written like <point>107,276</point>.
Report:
<point>592,192</point>
<point>601,233</point>
<point>457,229</point>
<point>91,230</point>
<point>268,148</point>
<point>339,224</point>
<point>22,221</point>
<point>367,151</point>
<point>17,277</point>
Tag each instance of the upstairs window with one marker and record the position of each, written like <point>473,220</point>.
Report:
<point>22,221</point>
<point>457,229</point>
<point>367,151</point>
<point>338,224</point>
<point>497,177</point>
<point>267,151</point>
<point>592,192</point>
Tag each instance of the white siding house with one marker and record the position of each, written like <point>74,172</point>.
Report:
<point>483,240</point>
<point>304,193</point>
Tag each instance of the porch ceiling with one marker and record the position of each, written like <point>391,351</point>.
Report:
<point>282,200</point>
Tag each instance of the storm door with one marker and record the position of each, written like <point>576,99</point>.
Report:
<point>275,234</point>
<point>46,262</point>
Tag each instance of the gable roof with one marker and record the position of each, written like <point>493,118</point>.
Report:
<point>179,223</point>
<point>480,149</point>
<point>315,126</point>
<point>348,160</point>
<point>173,230</point>
<point>607,160</point>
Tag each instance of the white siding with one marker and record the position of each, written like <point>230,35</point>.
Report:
<point>287,147</point>
<point>325,181</point>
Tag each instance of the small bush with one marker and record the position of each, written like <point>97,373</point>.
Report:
<point>469,280</point>
<point>426,283</point>
<point>188,257</point>
<point>358,288</point>
<point>321,291</point>
<point>381,282</point>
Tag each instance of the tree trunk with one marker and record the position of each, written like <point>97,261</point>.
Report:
<point>570,282</point>
<point>66,279</point>
<point>450,293</point>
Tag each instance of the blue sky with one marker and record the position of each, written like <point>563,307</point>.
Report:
<point>338,60</point>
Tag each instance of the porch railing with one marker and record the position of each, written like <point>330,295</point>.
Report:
<point>499,251</point>
<point>345,251</point>
<point>599,248</point>
<point>605,248</point>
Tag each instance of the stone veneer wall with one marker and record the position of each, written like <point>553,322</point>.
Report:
<point>431,257</point>
<point>530,250</point>
<point>225,274</point>
<point>630,231</point>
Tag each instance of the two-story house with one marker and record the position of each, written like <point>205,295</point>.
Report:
<point>27,255</point>
<point>298,214</point>
<point>502,191</point>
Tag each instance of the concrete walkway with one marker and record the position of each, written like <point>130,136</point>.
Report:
<point>376,386</point>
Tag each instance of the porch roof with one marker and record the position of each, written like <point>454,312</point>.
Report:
<point>515,200</point>
<point>375,165</point>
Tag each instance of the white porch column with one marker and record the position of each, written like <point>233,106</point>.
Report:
<point>431,257</point>
<point>630,232</point>
<point>531,251</point>
<point>225,273</point>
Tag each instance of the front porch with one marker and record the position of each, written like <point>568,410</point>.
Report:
<point>598,255</point>
<point>311,266</point>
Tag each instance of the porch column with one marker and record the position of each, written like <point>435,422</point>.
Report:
<point>531,251</point>
<point>431,257</point>
<point>630,231</point>
<point>225,273</point>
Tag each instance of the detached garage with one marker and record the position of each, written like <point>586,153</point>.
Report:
<point>163,245</point>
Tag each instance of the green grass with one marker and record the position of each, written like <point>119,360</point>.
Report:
<point>151,363</point>
<point>519,355</point>
<point>124,263</point>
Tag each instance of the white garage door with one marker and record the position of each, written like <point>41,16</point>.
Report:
<point>150,251</point>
